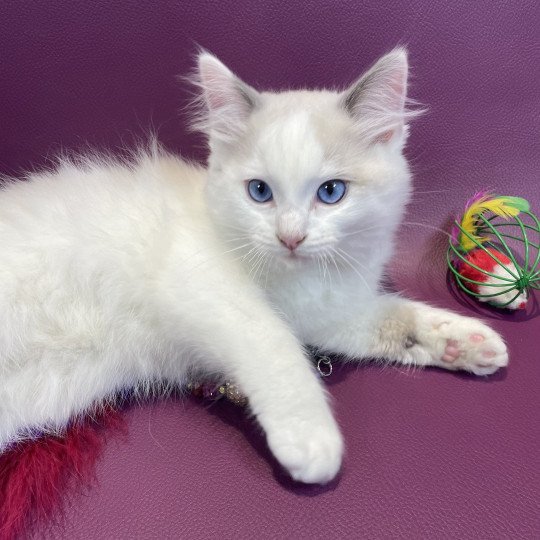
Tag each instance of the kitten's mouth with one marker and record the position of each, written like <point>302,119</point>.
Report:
<point>295,256</point>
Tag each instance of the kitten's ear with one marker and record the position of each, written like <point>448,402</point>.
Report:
<point>377,100</point>
<point>228,101</point>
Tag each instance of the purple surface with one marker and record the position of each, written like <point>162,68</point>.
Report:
<point>430,454</point>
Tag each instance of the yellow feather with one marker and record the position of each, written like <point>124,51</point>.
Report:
<point>497,205</point>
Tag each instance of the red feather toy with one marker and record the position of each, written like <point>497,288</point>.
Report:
<point>487,242</point>
<point>36,475</point>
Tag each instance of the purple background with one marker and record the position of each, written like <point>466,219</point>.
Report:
<point>430,454</point>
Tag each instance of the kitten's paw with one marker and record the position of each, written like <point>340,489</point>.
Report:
<point>456,342</point>
<point>311,453</point>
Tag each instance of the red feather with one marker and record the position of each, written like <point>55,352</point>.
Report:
<point>36,474</point>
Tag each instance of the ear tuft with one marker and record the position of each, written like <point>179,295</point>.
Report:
<point>377,100</point>
<point>225,102</point>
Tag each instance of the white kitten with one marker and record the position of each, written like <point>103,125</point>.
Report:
<point>115,276</point>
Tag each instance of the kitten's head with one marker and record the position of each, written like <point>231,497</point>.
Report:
<point>301,175</point>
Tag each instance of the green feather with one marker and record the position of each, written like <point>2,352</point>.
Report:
<point>516,202</point>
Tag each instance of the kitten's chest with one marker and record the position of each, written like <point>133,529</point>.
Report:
<point>306,303</point>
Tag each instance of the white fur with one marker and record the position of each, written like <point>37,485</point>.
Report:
<point>508,299</point>
<point>116,276</point>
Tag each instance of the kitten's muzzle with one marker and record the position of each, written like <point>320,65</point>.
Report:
<point>291,242</point>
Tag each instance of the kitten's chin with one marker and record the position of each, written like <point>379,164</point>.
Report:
<point>293,259</point>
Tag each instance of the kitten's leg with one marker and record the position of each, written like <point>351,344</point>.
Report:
<point>408,332</point>
<point>242,338</point>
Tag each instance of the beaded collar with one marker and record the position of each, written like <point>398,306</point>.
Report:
<point>214,390</point>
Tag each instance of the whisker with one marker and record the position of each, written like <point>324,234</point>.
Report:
<point>252,252</point>
<point>319,267</point>
<point>256,261</point>
<point>428,192</point>
<point>350,257</point>
<point>237,248</point>
<point>427,226</point>
<point>236,228</point>
<point>236,238</point>
<point>260,267</point>
<point>333,260</point>
<point>353,268</point>
<point>366,229</point>
<point>270,260</point>
<point>327,272</point>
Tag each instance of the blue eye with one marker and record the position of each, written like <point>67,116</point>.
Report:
<point>332,191</point>
<point>259,191</point>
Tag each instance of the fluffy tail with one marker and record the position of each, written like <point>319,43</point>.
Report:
<point>36,474</point>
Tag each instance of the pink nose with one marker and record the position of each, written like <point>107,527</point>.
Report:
<point>292,242</point>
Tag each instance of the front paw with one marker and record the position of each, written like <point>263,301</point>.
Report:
<point>456,342</point>
<point>310,451</point>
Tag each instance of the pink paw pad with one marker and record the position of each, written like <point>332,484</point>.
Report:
<point>477,338</point>
<point>451,352</point>
<point>487,354</point>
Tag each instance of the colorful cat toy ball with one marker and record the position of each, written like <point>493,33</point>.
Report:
<point>494,250</point>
